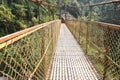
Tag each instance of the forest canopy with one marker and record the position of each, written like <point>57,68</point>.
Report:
<point>16,15</point>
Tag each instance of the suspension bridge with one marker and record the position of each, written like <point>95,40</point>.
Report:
<point>73,50</point>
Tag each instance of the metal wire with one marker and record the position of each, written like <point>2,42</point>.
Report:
<point>26,55</point>
<point>101,42</point>
<point>103,12</point>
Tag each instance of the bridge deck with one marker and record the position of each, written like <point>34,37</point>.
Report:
<point>70,62</point>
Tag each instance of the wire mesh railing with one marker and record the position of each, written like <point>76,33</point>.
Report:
<point>101,43</point>
<point>26,55</point>
<point>104,12</point>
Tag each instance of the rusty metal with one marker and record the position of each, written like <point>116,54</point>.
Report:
<point>22,32</point>
<point>24,55</point>
<point>97,4</point>
<point>87,35</point>
<point>103,46</point>
<point>104,12</point>
<point>41,2</point>
<point>69,62</point>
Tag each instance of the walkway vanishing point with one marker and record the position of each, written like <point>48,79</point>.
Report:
<point>50,52</point>
<point>70,62</point>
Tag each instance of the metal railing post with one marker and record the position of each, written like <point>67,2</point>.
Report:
<point>87,39</point>
<point>106,53</point>
<point>43,52</point>
<point>90,13</point>
<point>79,31</point>
<point>75,30</point>
<point>87,32</point>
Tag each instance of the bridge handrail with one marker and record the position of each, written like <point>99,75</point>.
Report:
<point>97,4</point>
<point>27,54</point>
<point>100,41</point>
<point>22,33</point>
<point>103,24</point>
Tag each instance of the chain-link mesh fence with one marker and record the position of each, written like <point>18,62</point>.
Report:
<point>27,54</point>
<point>101,43</point>
<point>103,12</point>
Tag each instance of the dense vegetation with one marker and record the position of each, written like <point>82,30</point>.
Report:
<point>16,15</point>
<point>104,13</point>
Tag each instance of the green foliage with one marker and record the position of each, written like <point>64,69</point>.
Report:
<point>19,10</point>
<point>35,20</point>
<point>66,1</point>
<point>20,14</point>
<point>6,20</point>
<point>5,14</point>
<point>74,10</point>
<point>21,24</point>
<point>2,32</point>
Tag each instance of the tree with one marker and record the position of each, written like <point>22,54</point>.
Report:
<point>19,10</point>
<point>6,18</point>
<point>74,10</point>
<point>20,14</point>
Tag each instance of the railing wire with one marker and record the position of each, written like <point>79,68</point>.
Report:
<point>26,55</point>
<point>101,43</point>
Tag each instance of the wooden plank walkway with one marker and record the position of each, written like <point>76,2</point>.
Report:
<point>70,62</point>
